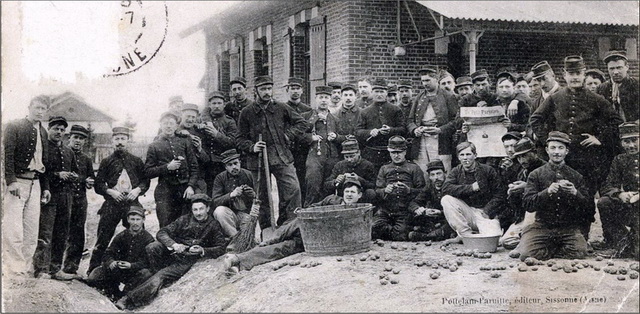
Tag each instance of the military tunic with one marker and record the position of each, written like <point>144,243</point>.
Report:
<point>373,117</point>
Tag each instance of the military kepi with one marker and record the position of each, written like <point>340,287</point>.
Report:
<point>229,155</point>
<point>574,63</point>
<point>435,164</point>
<point>628,130</point>
<point>79,130</point>
<point>323,90</point>
<point>523,146</point>
<point>615,55</point>
<point>58,120</point>
<point>397,143</point>
<point>215,94</point>
<point>136,210</point>
<point>559,137</point>
<point>239,80</point>
<point>121,130</point>
<point>263,80</point>
<point>350,146</point>
<point>541,68</point>
<point>379,83</point>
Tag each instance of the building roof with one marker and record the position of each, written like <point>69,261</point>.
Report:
<point>574,12</point>
<point>74,108</point>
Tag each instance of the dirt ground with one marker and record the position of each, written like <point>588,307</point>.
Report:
<point>352,285</point>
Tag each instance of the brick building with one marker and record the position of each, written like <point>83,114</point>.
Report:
<point>324,41</point>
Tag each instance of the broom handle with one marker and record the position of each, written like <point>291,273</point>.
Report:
<point>259,168</point>
<point>268,182</point>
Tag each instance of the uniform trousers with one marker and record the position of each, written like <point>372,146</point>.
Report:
<point>288,191</point>
<point>53,233</point>
<point>318,169</point>
<point>286,241</point>
<point>170,204</point>
<point>232,221</point>
<point>109,279</point>
<point>390,225</point>
<point>465,219</point>
<point>616,217</point>
<point>511,238</point>
<point>75,245</point>
<point>543,242</point>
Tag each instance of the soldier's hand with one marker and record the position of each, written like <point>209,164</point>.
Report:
<point>236,192</point>
<point>432,212</point>
<point>553,188</point>
<point>316,138</point>
<point>65,175</point>
<point>506,123</point>
<point>113,265</point>
<point>211,130</point>
<point>402,188</point>
<point>388,189</point>
<point>196,249</point>
<point>432,130</point>
<point>14,189</point>
<point>420,211</point>
<point>417,132</point>
<point>131,196</point>
<point>481,103</point>
<point>249,192</point>
<point>179,247</point>
<point>475,186</point>
<point>331,136</point>
<point>340,178</point>
<point>116,195</point>
<point>512,110</point>
<point>516,186</point>
<point>385,129</point>
<point>465,127</point>
<point>625,197</point>
<point>255,210</point>
<point>188,192</point>
<point>197,142</point>
<point>570,188</point>
<point>590,141</point>
<point>259,146</point>
<point>174,165</point>
<point>124,265</point>
<point>46,197</point>
<point>374,132</point>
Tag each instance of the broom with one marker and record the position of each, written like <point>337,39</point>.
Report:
<point>244,240</point>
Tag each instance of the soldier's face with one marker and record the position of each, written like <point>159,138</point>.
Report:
<point>481,87</point>
<point>216,106</point>
<point>265,92</point>
<point>398,157</point>
<point>323,100</point>
<point>352,157</point>
<point>37,110</point>
<point>404,94</point>
<point>238,91</point>
<point>526,159</point>
<point>535,87</point>
<point>509,147</point>
<point>617,70</point>
<point>465,90</point>
<point>467,157</point>
<point>168,125</point>
<point>364,88</point>
<point>351,195</point>
<point>379,95</point>
<point>392,99</point>
<point>335,96</point>
<point>575,79</point>
<point>233,167</point>
<point>200,211</point>
<point>429,82</point>
<point>189,118</point>
<point>136,223</point>
<point>448,83</point>
<point>56,132</point>
<point>437,177</point>
<point>557,151</point>
<point>120,142</point>
<point>630,145</point>
<point>505,89</point>
<point>523,88</point>
<point>348,98</point>
<point>76,141</point>
<point>295,92</point>
<point>591,83</point>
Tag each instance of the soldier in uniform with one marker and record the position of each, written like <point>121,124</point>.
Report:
<point>590,122</point>
<point>26,153</point>
<point>336,97</point>
<point>405,97</point>
<point>189,128</point>
<point>364,93</point>
<point>544,84</point>
<point>62,172</point>
<point>171,159</point>
<point>299,148</point>
<point>515,104</point>
<point>349,114</point>
<point>379,122</point>
<point>392,93</point>
<point>120,180</point>
<point>447,81</point>
<point>353,166</point>
<point>619,204</point>
<point>464,86</point>
<point>397,184</point>
<point>482,95</point>
<point>86,180</point>
<point>622,90</point>
<point>593,79</point>
<point>220,133</point>
<point>239,98</point>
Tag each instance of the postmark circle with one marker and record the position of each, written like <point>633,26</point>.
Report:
<point>142,29</point>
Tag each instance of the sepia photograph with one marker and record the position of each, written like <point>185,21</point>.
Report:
<point>302,156</point>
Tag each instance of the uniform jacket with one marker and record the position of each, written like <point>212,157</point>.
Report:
<point>111,168</point>
<point>85,170</point>
<point>560,209</point>
<point>373,117</point>
<point>19,147</point>
<point>225,183</point>
<point>364,103</point>
<point>202,155</point>
<point>429,197</point>
<point>128,247</point>
<point>491,196</point>
<point>629,94</point>
<point>224,140</point>
<point>363,168</point>
<point>347,122</point>
<point>322,128</point>
<point>446,109</point>
<point>165,149</point>
<point>623,176</point>
<point>188,231</point>
<point>279,126</point>
<point>407,173</point>
<point>520,120</point>
<point>233,108</point>
<point>61,158</point>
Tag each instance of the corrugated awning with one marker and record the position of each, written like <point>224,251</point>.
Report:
<point>581,12</point>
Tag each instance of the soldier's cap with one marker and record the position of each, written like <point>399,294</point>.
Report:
<point>513,135</point>
<point>215,94</point>
<point>428,69</point>
<point>596,73</point>
<point>464,81</point>
<point>239,80</point>
<point>539,69</point>
<point>615,55</point>
<point>559,137</point>
<point>176,98</point>
<point>263,80</point>
<point>121,130</point>
<point>479,75</point>
<point>79,130</point>
<point>349,86</point>
<point>405,83</point>
<point>392,89</point>
<point>349,146</point>
<point>348,181</point>
<point>506,74</point>
<point>335,85</point>
<point>190,106</point>
<point>379,83</point>
<point>444,74</point>
<point>229,155</point>
<point>58,120</point>
<point>397,143</point>
<point>523,146</point>
<point>628,130</point>
<point>435,164</point>
<point>521,77</point>
<point>294,81</point>
<point>574,63</point>
<point>170,115</point>
<point>324,90</point>
<point>136,210</point>
<point>200,198</point>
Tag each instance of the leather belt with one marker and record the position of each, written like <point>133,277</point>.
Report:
<point>28,175</point>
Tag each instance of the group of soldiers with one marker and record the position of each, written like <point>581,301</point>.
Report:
<point>372,142</point>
